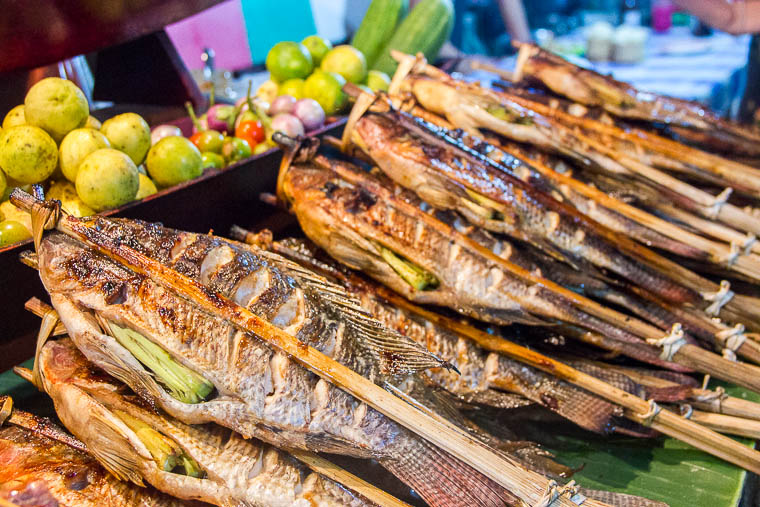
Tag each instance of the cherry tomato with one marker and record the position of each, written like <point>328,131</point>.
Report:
<point>194,138</point>
<point>251,131</point>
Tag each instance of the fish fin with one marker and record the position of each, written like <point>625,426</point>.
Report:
<point>494,398</point>
<point>396,353</point>
<point>118,457</point>
<point>444,481</point>
<point>333,445</point>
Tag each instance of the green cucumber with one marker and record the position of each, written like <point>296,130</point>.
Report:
<point>377,27</point>
<point>426,28</point>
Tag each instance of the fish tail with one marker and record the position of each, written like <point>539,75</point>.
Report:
<point>444,481</point>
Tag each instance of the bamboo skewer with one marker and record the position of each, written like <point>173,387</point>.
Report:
<point>718,252</point>
<point>529,486</point>
<point>726,424</point>
<point>685,354</point>
<point>744,176</point>
<point>665,422</point>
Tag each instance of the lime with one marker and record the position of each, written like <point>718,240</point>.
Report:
<point>318,47</point>
<point>107,178</point>
<point>147,187</point>
<point>327,89</point>
<point>347,61</point>
<point>172,160</point>
<point>3,183</point>
<point>130,133</point>
<point>268,90</point>
<point>378,81</point>
<point>66,192</point>
<point>27,154</point>
<point>292,87</point>
<point>14,117</point>
<point>76,146</point>
<point>57,106</point>
<point>11,232</point>
<point>211,160</point>
<point>93,123</point>
<point>235,149</point>
<point>288,60</point>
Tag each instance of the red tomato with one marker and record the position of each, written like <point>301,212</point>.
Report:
<point>194,138</point>
<point>251,131</point>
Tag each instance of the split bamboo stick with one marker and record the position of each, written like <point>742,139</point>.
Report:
<point>527,485</point>
<point>726,424</point>
<point>665,422</point>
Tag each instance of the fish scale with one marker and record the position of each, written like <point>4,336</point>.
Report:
<point>259,393</point>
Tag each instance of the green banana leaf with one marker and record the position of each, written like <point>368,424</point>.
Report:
<point>661,469</point>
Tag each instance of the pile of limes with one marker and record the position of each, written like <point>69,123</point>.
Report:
<point>51,139</point>
<point>314,69</point>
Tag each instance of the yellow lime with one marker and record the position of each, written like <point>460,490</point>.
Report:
<point>288,60</point>
<point>268,90</point>
<point>3,182</point>
<point>327,89</point>
<point>378,81</point>
<point>14,117</point>
<point>147,187</point>
<point>107,178</point>
<point>318,47</point>
<point>57,106</point>
<point>27,154</point>
<point>347,61</point>
<point>292,87</point>
<point>92,123</point>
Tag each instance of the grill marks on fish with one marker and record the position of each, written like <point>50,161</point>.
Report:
<point>260,392</point>
<point>464,286</point>
<point>530,214</point>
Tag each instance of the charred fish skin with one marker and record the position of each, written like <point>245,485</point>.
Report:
<point>236,470</point>
<point>404,153</point>
<point>260,392</point>
<point>39,471</point>
<point>472,282</point>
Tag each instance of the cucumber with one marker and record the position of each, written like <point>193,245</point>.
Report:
<point>424,30</point>
<point>377,27</point>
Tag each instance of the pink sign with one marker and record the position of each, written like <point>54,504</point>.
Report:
<point>220,28</point>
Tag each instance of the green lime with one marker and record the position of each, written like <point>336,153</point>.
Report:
<point>288,60</point>
<point>27,154</point>
<point>14,117</point>
<point>11,232</point>
<point>147,187</point>
<point>107,178</point>
<point>292,87</point>
<point>172,160</point>
<point>327,89</point>
<point>57,106</point>
<point>235,149</point>
<point>378,81</point>
<point>347,61</point>
<point>212,160</point>
<point>318,47</point>
<point>210,140</point>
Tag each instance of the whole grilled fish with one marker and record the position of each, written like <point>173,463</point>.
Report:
<point>483,375</point>
<point>258,391</point>
<point>449,178</point>
<point>367,224</point>
<point>623,100</point>
<point>226,469</point>
<point>36,470</point>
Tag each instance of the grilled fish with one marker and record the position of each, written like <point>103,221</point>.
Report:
<point>358,218</point>
<point>621,99</point>
<point>36,470</point>
<point>258,392</point>
<point>125,435</point>
<point>449,178</point>
<point>483,375</point>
